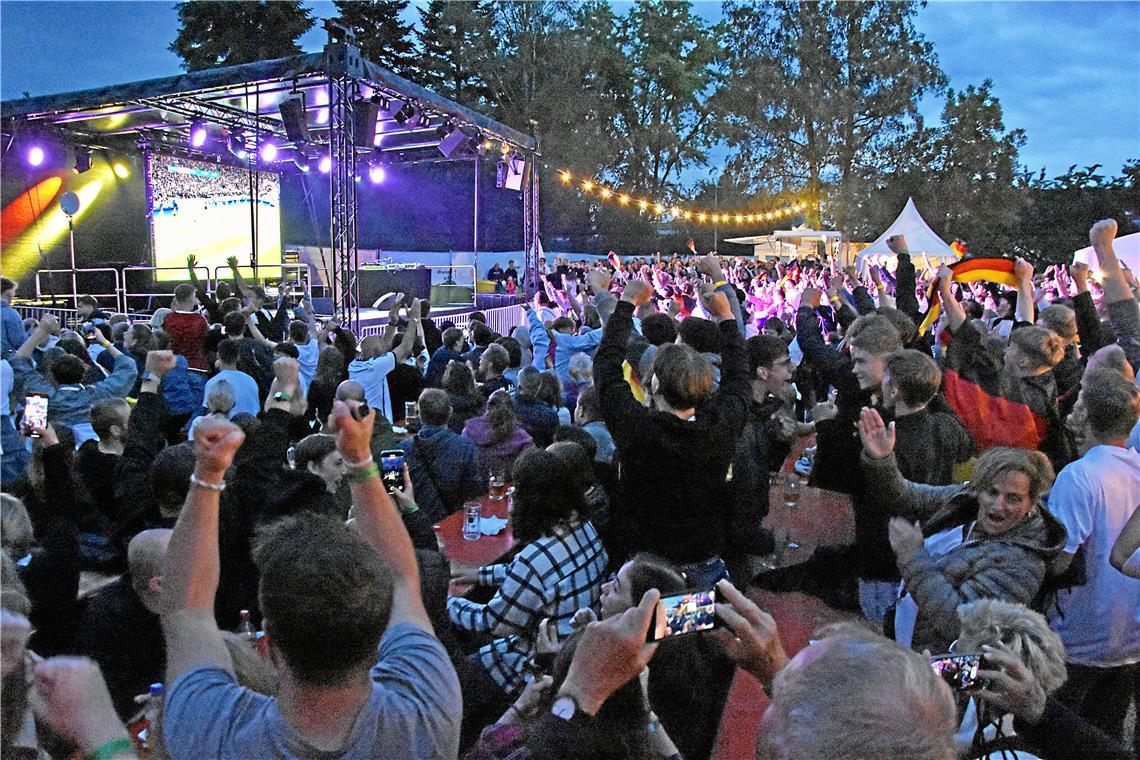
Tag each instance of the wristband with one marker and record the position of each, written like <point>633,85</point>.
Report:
<point>112,749</point>
<point>410,510</point>
<point>361,474</point>
<point>282,396</point>
<point>357,465</point>
<point>197,481</point>
<point>833,299</point>
<point>718,283</point>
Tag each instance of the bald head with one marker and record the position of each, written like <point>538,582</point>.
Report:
<point>350,390</point>
<point>145,555</point>
<point>372,346</point>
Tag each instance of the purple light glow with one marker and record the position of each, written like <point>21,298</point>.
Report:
<point>375,174</point>
<point>269,152</point>
<point>325,164</point>
<point>198,136</point>
<point>35,155</point>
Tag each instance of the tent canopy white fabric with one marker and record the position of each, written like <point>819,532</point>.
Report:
<point>920,239</point>
<point>1127,248</point>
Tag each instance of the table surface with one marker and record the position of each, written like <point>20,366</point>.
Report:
<point>466,556</point>
<point>820,517</point>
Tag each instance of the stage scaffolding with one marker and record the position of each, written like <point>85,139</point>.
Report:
<point>336,88</point>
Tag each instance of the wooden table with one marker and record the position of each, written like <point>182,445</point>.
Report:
<point>820,517</point>
<point>466,556</point>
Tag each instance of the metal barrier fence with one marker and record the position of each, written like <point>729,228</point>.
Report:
<point>96,291</point>
<point>501,320</point>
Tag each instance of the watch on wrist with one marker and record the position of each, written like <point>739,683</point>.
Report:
<point>282,396</point>
<point>147,376</point>
<point>565,707</point>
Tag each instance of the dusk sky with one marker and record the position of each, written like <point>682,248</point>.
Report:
<point>1066,72</point>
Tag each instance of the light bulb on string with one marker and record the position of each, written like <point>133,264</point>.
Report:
<point>605,192</point>
<point>623,199</point>
<point>565,177</point>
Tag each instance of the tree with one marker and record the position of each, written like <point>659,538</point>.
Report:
<point>455,47</point>
<point>816,92</point>
<point>971,172</point>
<point>214,33</point>
<point>666,122</point>
<point>1058,212</point>
<point>380,34</point>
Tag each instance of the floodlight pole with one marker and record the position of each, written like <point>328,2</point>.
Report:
<point>531,241</point>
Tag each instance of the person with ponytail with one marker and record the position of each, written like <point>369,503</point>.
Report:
<point>498,436</point>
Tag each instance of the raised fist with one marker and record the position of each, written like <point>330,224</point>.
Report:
<point>1103,232</point>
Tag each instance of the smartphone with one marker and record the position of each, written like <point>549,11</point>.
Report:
<point>35,412</point>
<point>392,469</point>
<point>960,671</point>
<point>687,612</point>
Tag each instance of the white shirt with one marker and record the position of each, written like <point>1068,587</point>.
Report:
<point>373,375</point>
<point>1094,496</point>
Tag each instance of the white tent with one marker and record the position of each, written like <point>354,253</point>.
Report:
<point>1127,248</point>
<point>920,239</point>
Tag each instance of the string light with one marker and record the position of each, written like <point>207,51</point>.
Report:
<point>659,208</point>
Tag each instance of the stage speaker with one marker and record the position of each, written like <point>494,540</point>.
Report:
<point>509,173</point>
<point>364,116</point>
<point>293,117</point>
<point>452,143</point>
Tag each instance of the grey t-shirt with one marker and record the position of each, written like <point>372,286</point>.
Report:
<point>414,710</point>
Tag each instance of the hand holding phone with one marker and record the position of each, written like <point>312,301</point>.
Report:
<point>960,671</point>
<point>35,414</point>
<point>687,612</point>
<point>392,469</point>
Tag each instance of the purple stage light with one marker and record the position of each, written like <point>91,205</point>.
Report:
<point>269,152</point>
<point>325,164</point>
<point>375,174</point>
<point>197,134</point>
<point>35,155</point>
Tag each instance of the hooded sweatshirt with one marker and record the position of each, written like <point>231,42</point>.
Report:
<point>495,456</point>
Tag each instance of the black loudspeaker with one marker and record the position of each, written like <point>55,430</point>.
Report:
<point>293,117</point>
<point>452,143</point>
<point>364,116</point>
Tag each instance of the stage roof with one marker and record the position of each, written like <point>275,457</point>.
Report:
<point>247,98</point>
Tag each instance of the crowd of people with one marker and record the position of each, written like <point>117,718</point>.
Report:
<point>213,471</point>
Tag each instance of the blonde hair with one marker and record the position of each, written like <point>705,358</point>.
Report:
<point>1026,632</point>
<point>15,526</point>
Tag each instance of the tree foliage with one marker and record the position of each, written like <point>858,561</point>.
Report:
<point>215,33</point>
<point>455,46</point>
<point>382,37</point>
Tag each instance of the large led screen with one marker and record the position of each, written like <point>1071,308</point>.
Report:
<point>203,209</point>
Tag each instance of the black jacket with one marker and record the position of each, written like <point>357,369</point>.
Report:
<point>674,492</point>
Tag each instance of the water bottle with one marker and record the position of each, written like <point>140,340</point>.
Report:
<point>246,629</point>
<point>472,515</point>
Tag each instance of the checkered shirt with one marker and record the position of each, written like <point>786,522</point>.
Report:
<point>552,577</point>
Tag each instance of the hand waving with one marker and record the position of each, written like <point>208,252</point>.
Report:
<point>878,439</point>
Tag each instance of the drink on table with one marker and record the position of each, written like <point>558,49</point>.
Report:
<point>792,488</point>
<point>246,629</point>
<point>498,486</point>
<point>472,518</point>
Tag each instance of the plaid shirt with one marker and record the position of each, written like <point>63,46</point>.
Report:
<point>552,577</point>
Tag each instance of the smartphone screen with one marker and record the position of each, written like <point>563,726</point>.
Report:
<point>392,469</point>
<point>35,411</point>
<point>960,671</point>
<point>690,612</point>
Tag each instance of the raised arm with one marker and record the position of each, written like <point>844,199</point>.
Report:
<point>620,409</point>
<point>377,518</point>
<point>191,568</point>
<point>1023,271</point>
<point>1111,275</point>
<point>243,286</point>
<point>955,314</point>
<point>407,344</point>
<point>905,299</point>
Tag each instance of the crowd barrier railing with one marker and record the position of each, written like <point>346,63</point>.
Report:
<point>73,279</point>
<point>128,294</point>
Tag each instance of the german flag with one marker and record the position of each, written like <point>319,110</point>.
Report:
<point>997,270</point>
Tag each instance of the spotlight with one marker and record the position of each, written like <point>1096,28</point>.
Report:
<point>301,160</point>
<point>325,164</point>
<point>236,145</point>
<point>82,160</point>
<point>121,170</point>
<point>197,133</point>
<point>35,155</point>
<point>405,114</point>
<point>268,152</point>
<point>375,174</point>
